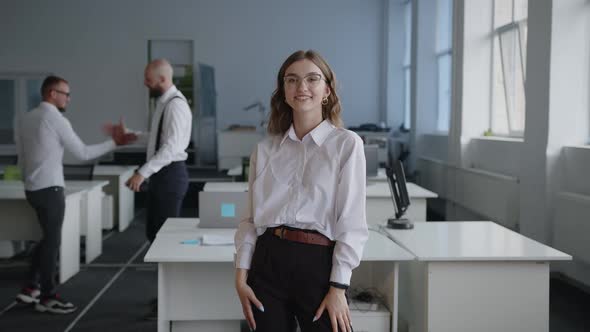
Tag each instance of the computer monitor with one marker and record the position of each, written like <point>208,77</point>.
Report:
<point>222,209</point>
<point>399,195</point>
<point>372,159</point>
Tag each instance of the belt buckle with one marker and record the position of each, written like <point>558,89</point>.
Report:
<point>282,233</point>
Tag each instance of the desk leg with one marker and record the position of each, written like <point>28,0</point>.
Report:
<point>93,225</point>
<point>384,277</point>
<point>488,296</point>
<point>163,322</point>
<point>477,296</point>
<point>412,296</point>
<point>69,251</point>
<point>126,202</point>
<point>394,299</point>
<point>111,189</point>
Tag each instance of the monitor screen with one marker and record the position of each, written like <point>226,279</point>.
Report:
<point>399,190</point>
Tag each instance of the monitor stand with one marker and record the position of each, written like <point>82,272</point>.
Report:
<point>399,223</point>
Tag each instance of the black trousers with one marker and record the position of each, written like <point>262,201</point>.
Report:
<point>50,205</point>
<point>167,189</point>
<point>290,279</point>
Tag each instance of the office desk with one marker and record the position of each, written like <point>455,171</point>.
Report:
<point>123,197</point>
<point>19,222</point>
<point>91,207</point>
<point>474,276</point>
<point>380,205</point>
<point>196,283</point>
<point>91,215</point>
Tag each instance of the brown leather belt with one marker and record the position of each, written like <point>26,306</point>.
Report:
<point>302,236</point>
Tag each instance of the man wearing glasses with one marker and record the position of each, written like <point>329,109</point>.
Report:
<point>41,135</point>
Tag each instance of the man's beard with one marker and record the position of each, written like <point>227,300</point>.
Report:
<point>61,109</point>
<point>155,93</point>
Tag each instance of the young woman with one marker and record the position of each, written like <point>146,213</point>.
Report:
<point>307,225</point>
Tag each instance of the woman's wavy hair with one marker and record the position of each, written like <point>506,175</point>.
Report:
<point>281,114</point>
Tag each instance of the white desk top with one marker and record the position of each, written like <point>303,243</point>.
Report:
<point>226,186</point>
<point>381,190</point>
<point>167,246</point>
<point>113,169</point>
<point>380,248</point>
<point>471,241</point>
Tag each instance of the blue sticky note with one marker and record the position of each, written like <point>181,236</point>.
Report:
<point>193,242</point>
<point>228,210</point>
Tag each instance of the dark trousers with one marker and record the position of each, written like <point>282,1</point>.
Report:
<point>290,279</point>
<point>165,194</point>
<point>49,204</point>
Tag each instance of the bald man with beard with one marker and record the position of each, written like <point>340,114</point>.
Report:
<point>166,144</point>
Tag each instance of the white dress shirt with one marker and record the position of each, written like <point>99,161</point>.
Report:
<point>41,136</point>
<point>175,135</point>
<point>316,183</point>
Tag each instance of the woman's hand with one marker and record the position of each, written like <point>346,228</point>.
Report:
<point>335,303</point>
<point>247,297</point>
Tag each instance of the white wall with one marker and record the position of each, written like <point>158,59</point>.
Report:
<point>101,48</point>
<point>568,187</point>
<point>434,146</point>
<point>497,155</point>
<point>576,161</point>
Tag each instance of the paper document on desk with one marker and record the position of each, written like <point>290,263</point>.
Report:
<point>217,240</point>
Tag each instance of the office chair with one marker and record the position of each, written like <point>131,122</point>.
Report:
<point>78,172</point>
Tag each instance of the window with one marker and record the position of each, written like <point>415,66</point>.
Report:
<point>444,30</point>
<point>507,116</point>
<point>18,93</point>
<point>407,63</point>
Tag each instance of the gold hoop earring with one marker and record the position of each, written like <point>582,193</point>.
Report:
<point>325,101</point>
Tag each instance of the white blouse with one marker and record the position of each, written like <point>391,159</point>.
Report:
<point>316,183</point>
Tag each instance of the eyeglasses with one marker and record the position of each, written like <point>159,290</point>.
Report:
<point>67,94</point>
<point>311,80</point>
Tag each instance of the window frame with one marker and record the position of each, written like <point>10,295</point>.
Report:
<point>440,52</point>
<point>407,64</point>
<point>520,54</point>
